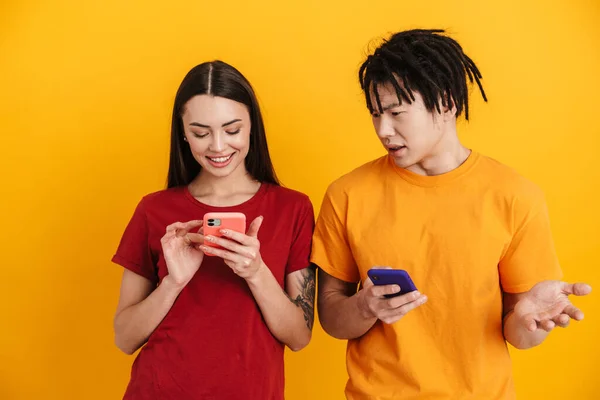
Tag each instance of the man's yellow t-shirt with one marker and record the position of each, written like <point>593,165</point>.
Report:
<point>463,237</point>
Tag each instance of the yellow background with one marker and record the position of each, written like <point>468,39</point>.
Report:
<point>86,91</point>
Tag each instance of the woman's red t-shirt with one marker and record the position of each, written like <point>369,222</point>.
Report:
<point>214,343</point>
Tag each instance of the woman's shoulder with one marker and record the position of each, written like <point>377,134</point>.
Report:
<point>162,197</point>
<point>286,195</point>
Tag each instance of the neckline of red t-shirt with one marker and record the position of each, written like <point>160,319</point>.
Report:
<point>246,205</point>
<point>437,180</point>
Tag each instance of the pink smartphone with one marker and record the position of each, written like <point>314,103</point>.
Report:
<point>215,221</point>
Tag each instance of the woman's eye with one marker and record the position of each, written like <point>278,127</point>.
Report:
<point>234,132</point>
<point>200,135</point>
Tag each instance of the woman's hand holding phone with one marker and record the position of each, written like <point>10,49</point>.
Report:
<point>241,252</point>
<point>373,303</point>
<point>181,250</point>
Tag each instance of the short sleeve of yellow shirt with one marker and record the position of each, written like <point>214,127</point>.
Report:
<point>530,256</point>
<point>330,243</point>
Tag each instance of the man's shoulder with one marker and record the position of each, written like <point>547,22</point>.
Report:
<point>510,183</point>
<point>359,178</point>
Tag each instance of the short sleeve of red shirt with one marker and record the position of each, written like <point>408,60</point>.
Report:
<point>299,256</point>
<point>133,251</point>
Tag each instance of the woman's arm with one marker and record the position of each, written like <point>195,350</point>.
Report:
<point>289,314</point>
<point>141,308</point>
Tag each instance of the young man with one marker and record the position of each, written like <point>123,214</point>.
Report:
<point>473,235</point>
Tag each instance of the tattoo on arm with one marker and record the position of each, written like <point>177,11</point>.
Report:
<point>306,298</point>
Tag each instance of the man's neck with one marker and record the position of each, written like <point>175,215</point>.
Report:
<point>448,155</point>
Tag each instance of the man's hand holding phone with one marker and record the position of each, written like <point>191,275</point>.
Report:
<point>374,300</point>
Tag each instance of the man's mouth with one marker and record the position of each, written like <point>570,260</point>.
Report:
<point>395,148</point>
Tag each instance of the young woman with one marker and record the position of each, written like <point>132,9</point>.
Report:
<point>213,322</point>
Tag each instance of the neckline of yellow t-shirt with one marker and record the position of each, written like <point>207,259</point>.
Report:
<point>436,180</point>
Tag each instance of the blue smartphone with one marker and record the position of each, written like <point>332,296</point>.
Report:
<point>392,277</point>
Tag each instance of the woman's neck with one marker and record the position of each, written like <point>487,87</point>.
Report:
<point>230,190</point>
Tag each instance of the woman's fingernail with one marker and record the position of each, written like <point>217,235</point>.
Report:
<point>224,231</point>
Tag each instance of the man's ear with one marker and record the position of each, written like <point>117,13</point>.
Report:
<point>448,111</point>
